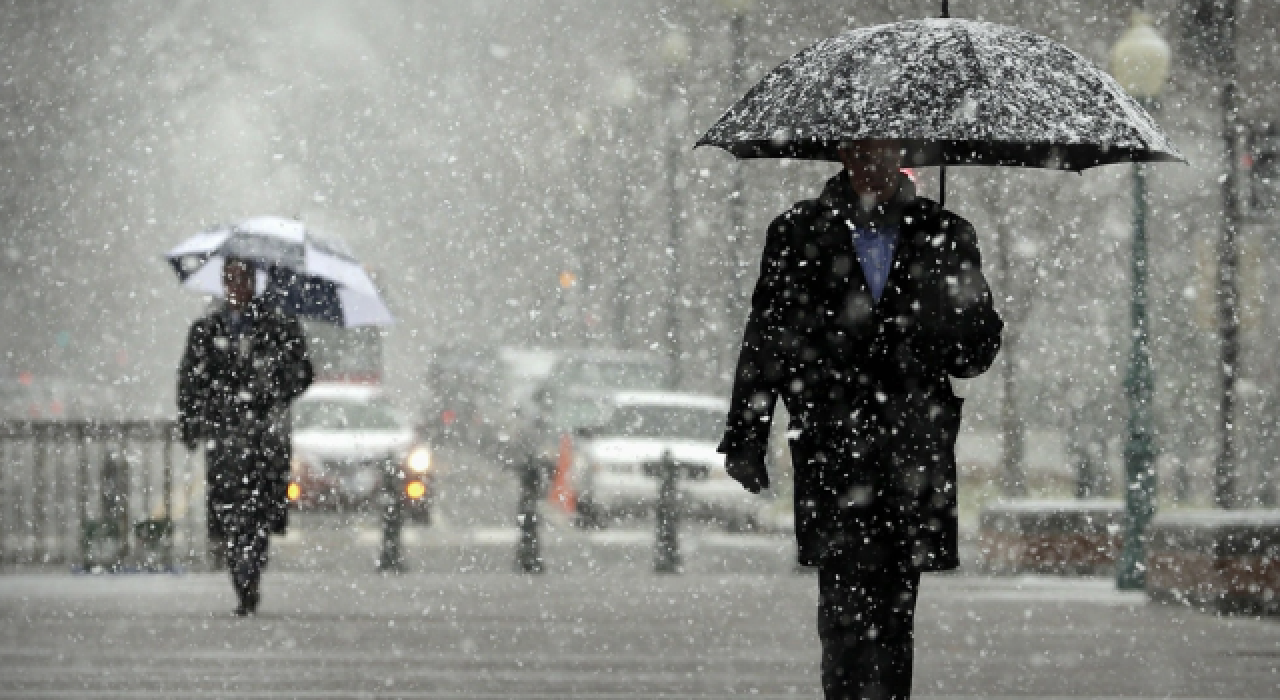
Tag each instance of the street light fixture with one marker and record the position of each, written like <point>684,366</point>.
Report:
<point>1140,63</point>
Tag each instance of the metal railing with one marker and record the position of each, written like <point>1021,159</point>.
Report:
<point>95,494</point>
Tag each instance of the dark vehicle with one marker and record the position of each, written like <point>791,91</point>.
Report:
<point>464,392</point>
<point>481,396</point>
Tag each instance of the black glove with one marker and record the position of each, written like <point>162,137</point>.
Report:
<point>748,470</point>
<point>190,436</point>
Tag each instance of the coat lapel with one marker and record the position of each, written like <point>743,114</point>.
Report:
<point>895,285</point>
<point>844,255</point>
<point>848,281</point>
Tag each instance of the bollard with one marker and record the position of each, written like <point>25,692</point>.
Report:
<point>392,502</point>
<point>528,556</point>
<point>666,556</point>
<point>112,524</point>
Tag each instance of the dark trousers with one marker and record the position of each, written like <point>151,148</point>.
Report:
<point>866,617</point>
<point>245,532</point>
<point>240,511</point>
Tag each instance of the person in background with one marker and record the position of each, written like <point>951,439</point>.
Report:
<point>244,363</point>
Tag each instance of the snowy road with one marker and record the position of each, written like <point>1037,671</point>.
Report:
<point>473,529</point>
<point>603,636</point>
<point>600,624</point>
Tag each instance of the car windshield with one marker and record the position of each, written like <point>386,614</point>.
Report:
<point>345,416</point>
<point>577,412</point>
<point>608,376</point>
<point>682,422</point>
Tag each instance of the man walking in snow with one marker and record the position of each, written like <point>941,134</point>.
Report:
<point>869,300</point>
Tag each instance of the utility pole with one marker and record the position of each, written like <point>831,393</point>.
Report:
<point>1224,482</point>
<point>624,90</point>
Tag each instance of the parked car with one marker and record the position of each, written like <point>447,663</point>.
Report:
<point>569,398</point>
<point>616,467</point>
<point>604,370</point>
<point>345,439</point>
<point>575,410</point>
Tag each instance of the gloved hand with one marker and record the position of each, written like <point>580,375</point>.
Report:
<point>748,470</point>
<point>190,436</point>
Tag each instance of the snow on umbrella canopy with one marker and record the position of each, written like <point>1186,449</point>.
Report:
<point>306,275</point>
<point>954,91</point>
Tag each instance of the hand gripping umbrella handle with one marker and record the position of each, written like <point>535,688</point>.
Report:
<point>942,187</point>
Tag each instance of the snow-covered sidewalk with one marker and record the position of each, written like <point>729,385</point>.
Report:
<point>327,635</point>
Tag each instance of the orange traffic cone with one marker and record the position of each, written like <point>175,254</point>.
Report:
<point>562,494</point>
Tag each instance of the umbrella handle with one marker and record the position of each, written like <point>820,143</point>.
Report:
<point>942,187</point>
<point>942,172</point>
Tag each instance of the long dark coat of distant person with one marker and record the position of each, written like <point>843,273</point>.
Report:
<point>234,397</point>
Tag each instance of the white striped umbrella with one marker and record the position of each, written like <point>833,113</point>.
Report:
<point>307,275</point>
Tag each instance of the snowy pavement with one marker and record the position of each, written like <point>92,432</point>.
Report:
<point>331,544</point>
<point>610,635</point>
<point>599,624</point>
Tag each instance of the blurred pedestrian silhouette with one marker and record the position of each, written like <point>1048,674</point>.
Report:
<point>244,363</point>
<point>869,300</point>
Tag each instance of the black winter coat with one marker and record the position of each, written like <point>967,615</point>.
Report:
<point>867,384</point>
<point>235,398</point>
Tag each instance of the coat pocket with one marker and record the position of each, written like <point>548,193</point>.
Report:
<point>846,448</point>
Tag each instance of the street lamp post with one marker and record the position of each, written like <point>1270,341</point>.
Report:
<point>1140,63</point>
<point>676,50</point>
<point>621,95</point>
<point>1224,482</point>
<point>589,272</point>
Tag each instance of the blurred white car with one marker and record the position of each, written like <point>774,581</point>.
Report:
<point>617,464</point>
<point>346,437</point>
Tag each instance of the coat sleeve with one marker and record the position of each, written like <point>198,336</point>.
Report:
<point>194,384</point>
<point>761,360</point>
<point>294,371</point>
<point>964,332</point>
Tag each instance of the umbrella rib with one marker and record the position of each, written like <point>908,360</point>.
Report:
<point>979,69</point>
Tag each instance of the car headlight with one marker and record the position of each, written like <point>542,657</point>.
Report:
<point>415,490</point>
<point>419,460</point>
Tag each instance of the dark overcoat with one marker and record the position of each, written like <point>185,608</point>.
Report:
<point>234,398</point>
<point>867,384</point>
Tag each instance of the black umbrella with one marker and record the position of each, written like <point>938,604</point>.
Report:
<point>954,91</point>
